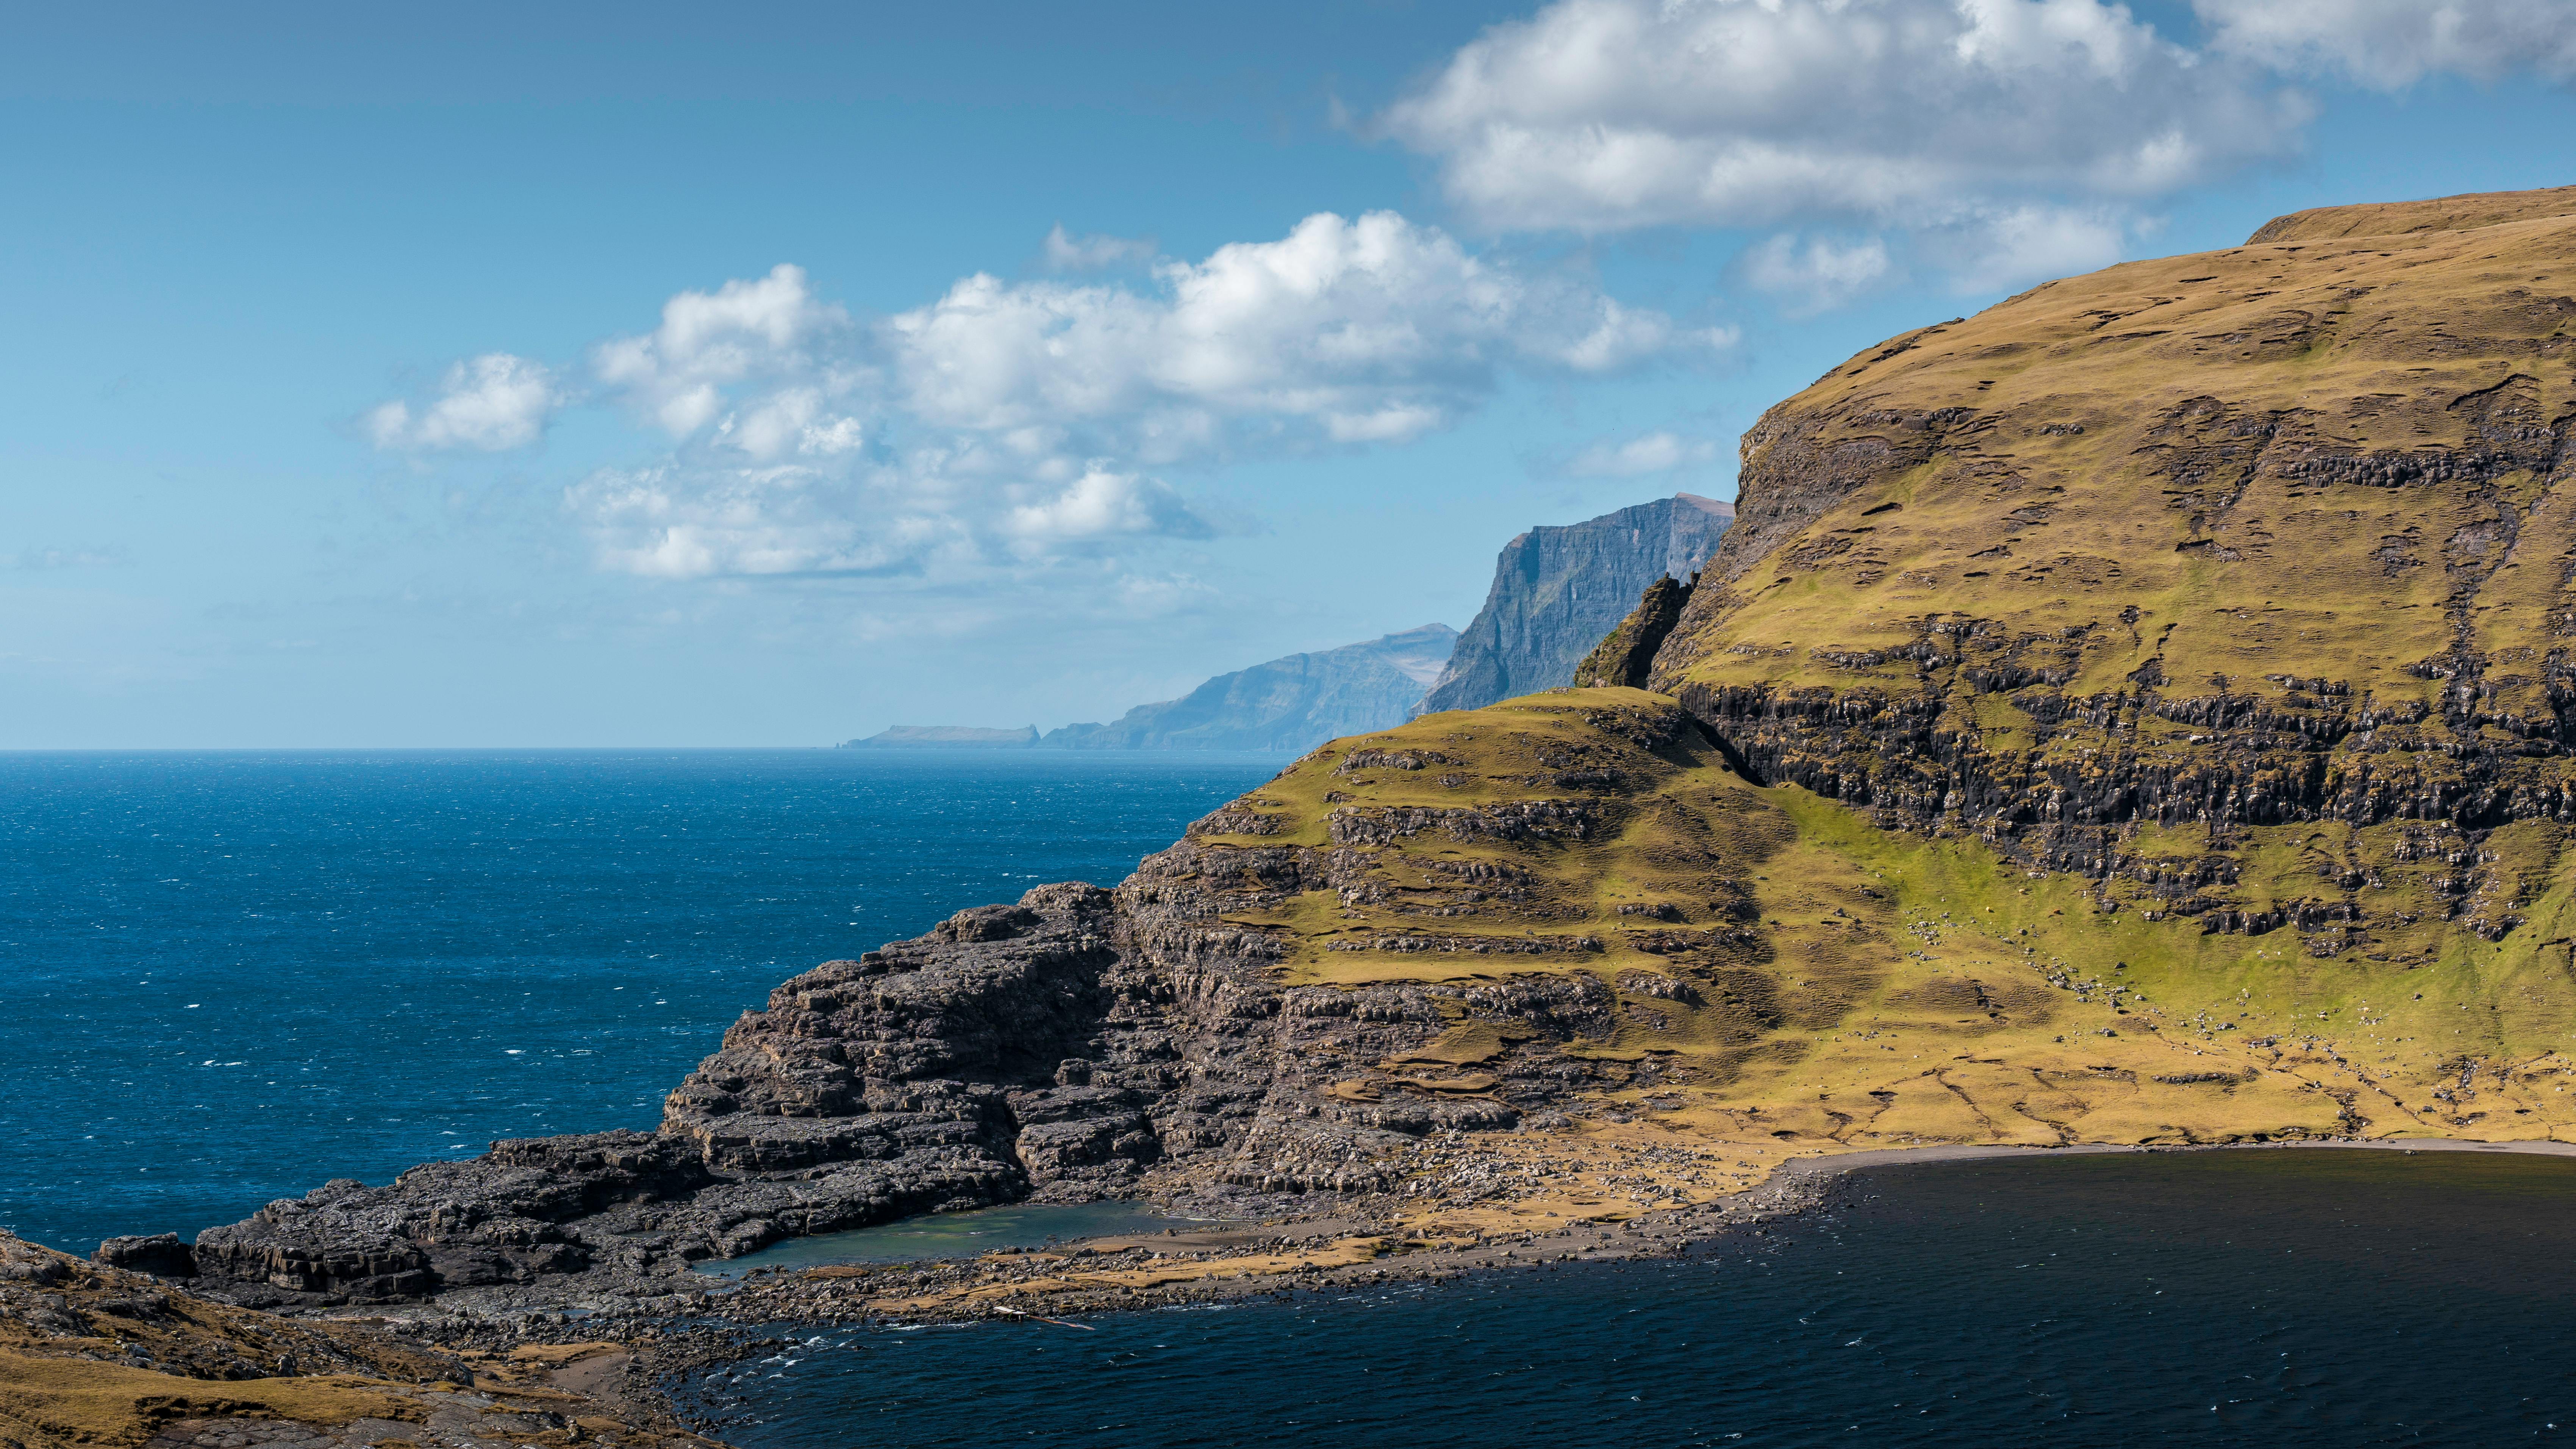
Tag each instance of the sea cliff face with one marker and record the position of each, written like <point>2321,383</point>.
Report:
<point>1556,591</point>
<point>2235,582</point>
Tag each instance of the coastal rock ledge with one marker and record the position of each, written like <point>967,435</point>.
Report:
<point>1078,1044</point>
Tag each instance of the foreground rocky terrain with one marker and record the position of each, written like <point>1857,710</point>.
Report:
<point>2129,716</point>
<point>97,1355</point>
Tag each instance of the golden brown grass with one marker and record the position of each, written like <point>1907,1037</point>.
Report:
<point>1808,983</point>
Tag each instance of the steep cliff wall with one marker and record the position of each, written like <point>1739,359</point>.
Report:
<point>1557,591</point>
<point>2237,582</point>
<point>1286,705</point>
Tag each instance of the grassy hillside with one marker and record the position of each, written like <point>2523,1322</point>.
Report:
<point>1790,978</point>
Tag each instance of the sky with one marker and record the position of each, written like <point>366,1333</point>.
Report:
<point>766,374</point>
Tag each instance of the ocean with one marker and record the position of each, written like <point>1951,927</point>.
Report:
<point>229,977</point>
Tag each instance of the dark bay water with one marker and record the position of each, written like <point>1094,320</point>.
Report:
<point>228,977</point>
<point>2306,1298</point>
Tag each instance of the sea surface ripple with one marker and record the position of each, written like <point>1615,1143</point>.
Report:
<point>229,977</point>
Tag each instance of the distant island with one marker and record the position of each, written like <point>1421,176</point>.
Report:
<point>944,737</point>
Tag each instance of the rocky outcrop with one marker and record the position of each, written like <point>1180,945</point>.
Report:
<point>1625,658</point>
<point>1078,1043</point>
<point>1287,705</point>
<point>1557,591</point>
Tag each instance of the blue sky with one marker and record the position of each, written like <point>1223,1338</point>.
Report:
<point>765,375</point>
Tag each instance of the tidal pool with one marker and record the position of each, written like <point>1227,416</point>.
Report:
<point>956,1235</point>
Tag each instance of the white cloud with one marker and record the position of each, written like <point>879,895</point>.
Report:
<point>2393,43</point>
<point>492,403</point>
<point>1657,452</point>
<point>1601,115</point>
<point>2016,246</point>
<point>1820,275</point>
<point>678,520</point>
<point>1368,329</point>
<point>1018,425</point>
<point>678,374</point>
<point>1065,253</point>
<point>1103,504</point>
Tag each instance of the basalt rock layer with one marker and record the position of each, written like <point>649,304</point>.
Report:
<point>2237,582</point>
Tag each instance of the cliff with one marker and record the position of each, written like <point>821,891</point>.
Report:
<point>1286,705</point>
<point>2234,583</point>
<point>2132,715</point>
<point>1556,591</point>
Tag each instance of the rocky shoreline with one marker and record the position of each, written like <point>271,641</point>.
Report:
<point>648,1361</point>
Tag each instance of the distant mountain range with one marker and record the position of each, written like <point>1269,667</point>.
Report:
<point>1288,704</point>
<point>1556,592</point>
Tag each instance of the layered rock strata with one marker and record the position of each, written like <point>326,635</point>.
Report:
<point>2143,574</point>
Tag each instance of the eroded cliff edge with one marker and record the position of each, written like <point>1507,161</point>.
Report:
<point>2237,582</point>
<point>2130,715</point>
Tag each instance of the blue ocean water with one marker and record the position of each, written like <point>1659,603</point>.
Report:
<point>228,977</point>
<point>2287,1299</point>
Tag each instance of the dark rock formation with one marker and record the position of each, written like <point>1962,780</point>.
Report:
<point>1625,658</point>
<point>1557,591</point>
<point>1287,705</point>
<point>162,1255</point>
<point>1080,1043</point>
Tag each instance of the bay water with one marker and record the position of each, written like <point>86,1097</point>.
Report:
<point>2294,1299</point>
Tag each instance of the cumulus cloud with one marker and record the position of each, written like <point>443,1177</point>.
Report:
<point>2393,43</point>
<point>1360,330</point>
<point>1065,253</point>
<point>1600,115</point>
<point>743,332</point>
<point>1103,504</point>
<point>682,519</point>
<point>1657,452</point>
<point>489,403</point>
<point>1820,274</point>
<point>1018,424</point>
